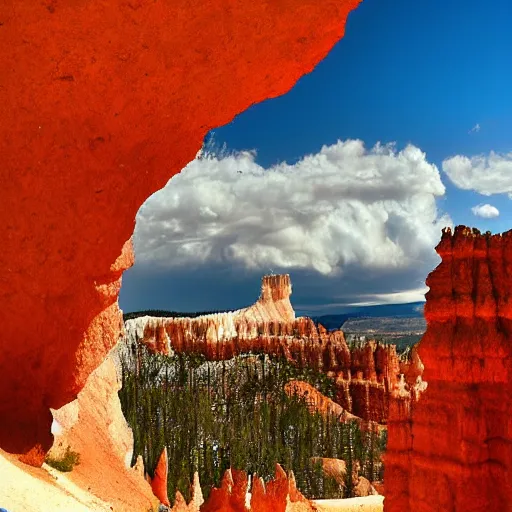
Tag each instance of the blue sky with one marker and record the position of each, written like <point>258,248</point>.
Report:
<point>434,74</point>
<point>419,72</point>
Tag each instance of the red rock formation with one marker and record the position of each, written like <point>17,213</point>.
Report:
<point>93,426</point>
<point>317,402</point>
<point>268,326</point>
<point>159,480</point>
<point>365,376</point>
<point>375,372</point>
<point>232,493</point>
<point>279,495</point>
<point>101,102</point>
<point>452,449</point>
<point>412,372</point>
<point>235,495</point>
<point>180,505</point>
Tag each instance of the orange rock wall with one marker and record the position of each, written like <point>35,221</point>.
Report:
<point>101,102</point>
<point>375,371</point>
<point>452,449</point>
<point>159,480</point>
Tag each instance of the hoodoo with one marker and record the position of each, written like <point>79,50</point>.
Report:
<point>366,377</point>
<point>101,102</point>
<point>448,450</point>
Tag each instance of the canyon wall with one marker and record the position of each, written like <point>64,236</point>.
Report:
<point>101,102</point>
<point>452,449</point>
<point>366,376</point>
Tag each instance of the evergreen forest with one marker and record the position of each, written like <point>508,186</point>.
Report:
<point>212,415</point>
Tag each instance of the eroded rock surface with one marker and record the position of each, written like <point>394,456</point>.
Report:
<point>93,426</point>
<point>366,377</point>
<point>159,480</point>
<point>101,103</point>
<point>456,439</point>
<point>238,494</point>
<point>317,402</point>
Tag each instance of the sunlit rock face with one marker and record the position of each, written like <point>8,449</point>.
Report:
<point>366,377</point>
<point>318,402</point>
<point>448,450</point>
<point>101,102</point>
<point>269,326</point>
<point>93,426</point>
<point>159,480</point>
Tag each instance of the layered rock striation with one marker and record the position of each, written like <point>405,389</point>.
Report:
<point>269,326</point>
<point>365,377</point>
<point>452,449</point>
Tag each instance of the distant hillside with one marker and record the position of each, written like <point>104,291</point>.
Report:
<point>402,331</point>
<point>168,314</point>
<point>386,325</point>
<point>335,321</point>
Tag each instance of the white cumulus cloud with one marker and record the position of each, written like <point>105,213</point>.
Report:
<point>487,211</point>
<point>344,206</point>
<point>486,175</point>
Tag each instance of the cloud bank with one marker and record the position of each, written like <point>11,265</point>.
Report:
<point>346,208</point>
<point>486,175</point>
<point>487,211</point>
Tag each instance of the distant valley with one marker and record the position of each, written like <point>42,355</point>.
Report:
<point>394,312</point>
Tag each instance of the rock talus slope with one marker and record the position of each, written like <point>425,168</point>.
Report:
<point>101,102</point>
<point>452,449</point>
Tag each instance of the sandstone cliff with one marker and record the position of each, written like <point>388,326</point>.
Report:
<point>456,440</point>
<point>93,425</point>
<point>269,326</point>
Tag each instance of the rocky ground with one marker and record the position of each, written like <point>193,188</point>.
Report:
<point>367,504</point>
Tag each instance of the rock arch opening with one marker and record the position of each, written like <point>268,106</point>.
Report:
<point>92,126</point>
<point>101,102</point>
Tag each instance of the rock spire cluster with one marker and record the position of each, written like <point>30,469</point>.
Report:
<point>366,377</point>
